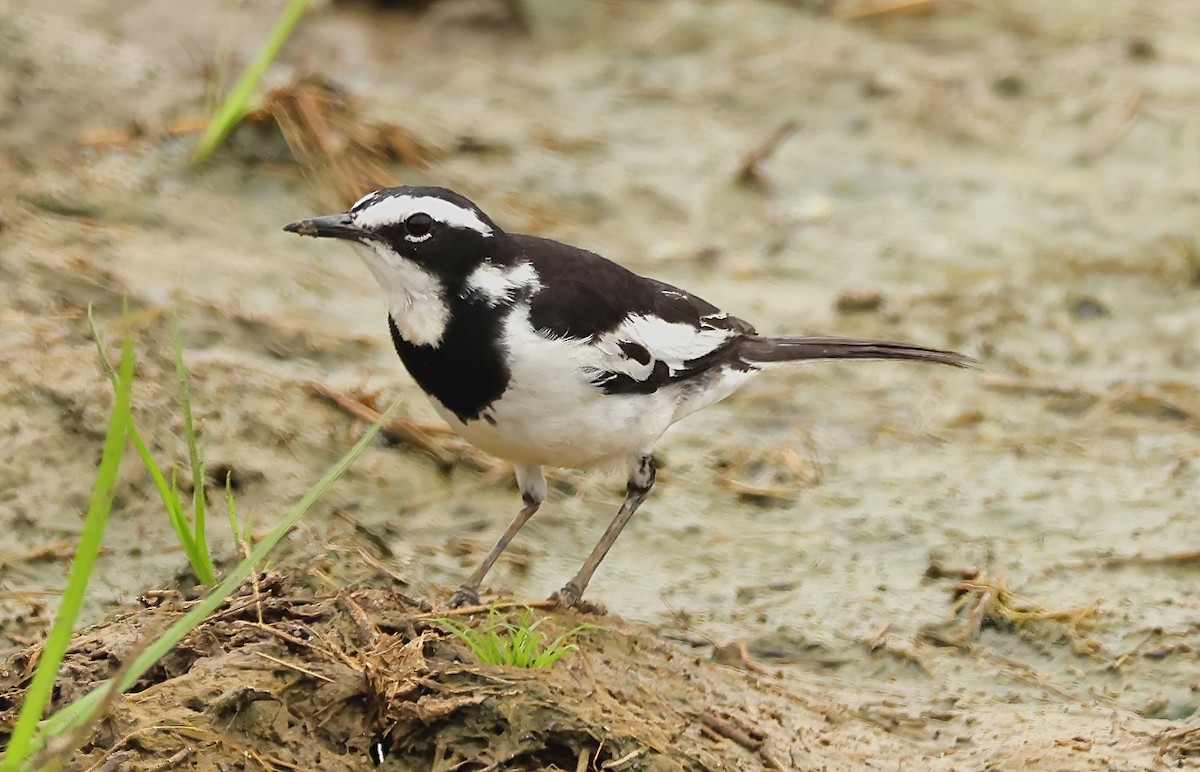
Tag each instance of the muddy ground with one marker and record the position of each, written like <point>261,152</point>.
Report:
<point>1017,182</point>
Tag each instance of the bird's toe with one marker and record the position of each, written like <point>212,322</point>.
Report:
<point>569,597</point>
<point>463,596</point>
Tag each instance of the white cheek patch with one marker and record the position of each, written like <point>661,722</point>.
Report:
<point>497,284</point>
<point>397,209</point>
<point>414,295</point>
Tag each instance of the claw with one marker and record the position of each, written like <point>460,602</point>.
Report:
<point>464,596</point>
<point>569,598</point>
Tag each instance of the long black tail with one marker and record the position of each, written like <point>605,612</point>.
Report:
<point>779,350</point>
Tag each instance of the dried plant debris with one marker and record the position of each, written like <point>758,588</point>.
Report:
<point>750,169</point>
<point>329,137</point>
<point>766,474</point>
<point>325,132</point>
<point>879,9</point>
<point>984,600</point>
<point>288,677</point>
<point>1179,743</point>
<point>1159,400</point>
<point>436,440</point>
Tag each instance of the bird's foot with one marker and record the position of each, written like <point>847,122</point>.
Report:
<point>569,597</point>
<point>464,596</point>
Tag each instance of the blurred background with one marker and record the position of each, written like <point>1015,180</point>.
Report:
<point>1018,180</point>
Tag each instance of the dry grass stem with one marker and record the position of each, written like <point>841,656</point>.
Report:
<point>330,138</point>
<point>438,441</point>
<point>750,170</point>
<point>878,10</point>
<point>984,599</point>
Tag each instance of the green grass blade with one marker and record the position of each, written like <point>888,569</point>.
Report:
<point>72,715</point>
<point>42,685</point>
<point>237,103</point>
<point>231,510</point>
<point>469,636</point>
<point>559,647</point>
<point>168,493</point>
<point>104,363</point>
<point>503,643</point>
<point>200,556</point>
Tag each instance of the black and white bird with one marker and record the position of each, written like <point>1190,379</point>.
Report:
<point>545,354</point>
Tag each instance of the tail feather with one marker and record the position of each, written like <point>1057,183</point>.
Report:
<point>771,350</point>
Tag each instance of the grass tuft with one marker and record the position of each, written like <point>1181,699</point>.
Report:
<point>72,716</point>
<point>58,735</point>
<point>237,103</point>
<point>192,538</point>
<point>523,645</point>
<point>200,557</point>
<point>21,743</point>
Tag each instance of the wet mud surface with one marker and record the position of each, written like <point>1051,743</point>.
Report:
<point>933,567</point>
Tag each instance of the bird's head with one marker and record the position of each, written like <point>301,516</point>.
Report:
<point>433,229</point>
<point>427,247</point>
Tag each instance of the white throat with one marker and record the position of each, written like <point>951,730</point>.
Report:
<point>414,296</point>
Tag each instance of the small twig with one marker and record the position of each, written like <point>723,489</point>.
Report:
<point>613,764</point>
<point>750,169</point>
<point>182,729</point>
<point>1120,661</point>
<point>721,653</point>
<point>295,641</point>
<point>481,608</point>
<point>880,636</point>
<point>173,761</point>
<point>980,597</point>
<point>1114,124</point>
<point>892,8</point>
<point>364,622</point>
<point>257,596</point>
<point>769,761</point>
<point>730,732</point>
<point>723,728</point>
<point>59,550</point>
<point>1007,384</point>
<point>382,568</point>
<point>776,492</point>
<point>292,666</point>
<point>338,652</point>
<point>1112,561</point>
<point>402,431</point>
<point>385,549</point>
<point>398,431</point>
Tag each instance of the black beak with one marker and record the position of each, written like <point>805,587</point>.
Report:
<point>335,226</point>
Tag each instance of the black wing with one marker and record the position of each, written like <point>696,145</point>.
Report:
<point>644,333</point>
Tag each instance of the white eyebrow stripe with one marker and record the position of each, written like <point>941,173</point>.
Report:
<point>369,197</point>
<point>396,209</point>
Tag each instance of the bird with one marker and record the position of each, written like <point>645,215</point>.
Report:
<point>548,355</point>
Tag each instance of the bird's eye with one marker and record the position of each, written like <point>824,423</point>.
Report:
<point>418,225</point>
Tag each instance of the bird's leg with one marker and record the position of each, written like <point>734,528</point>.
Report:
<point>533,492</point>
<point>641,480</point>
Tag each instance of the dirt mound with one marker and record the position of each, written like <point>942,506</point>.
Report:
<point>289,674</point>
<point>291,677</point>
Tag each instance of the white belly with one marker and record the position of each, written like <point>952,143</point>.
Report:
<point>552,415</point>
